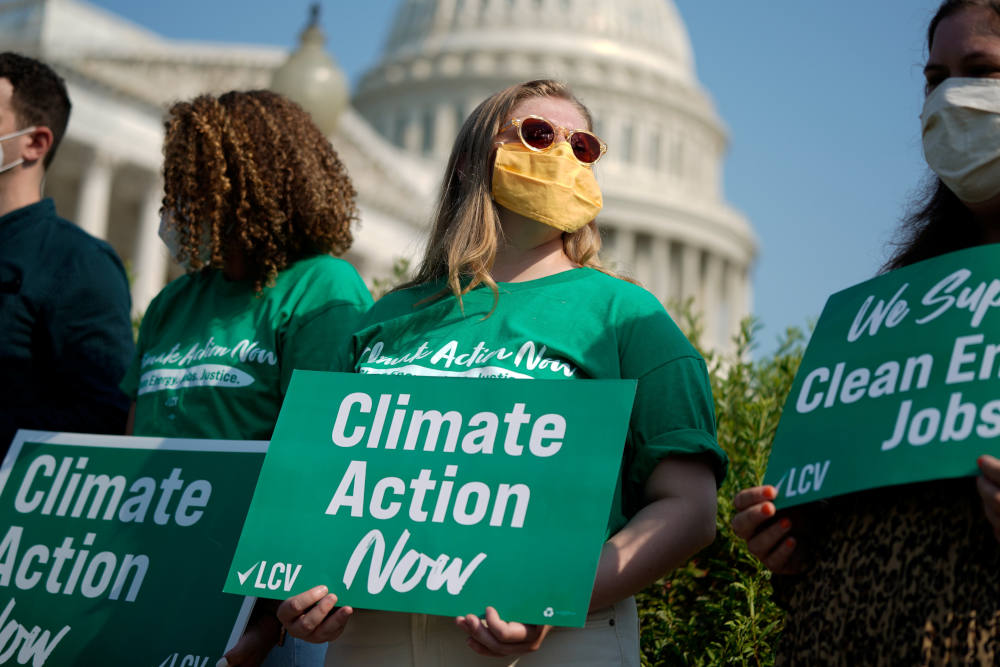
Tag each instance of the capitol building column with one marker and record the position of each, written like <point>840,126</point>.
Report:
<point>95,194</point>
<point>624,248</point>
<point>445,129</point>
<point>150,253</point>
<point>691,273</point>
<point>660,279</point>
<point>411,131</point>
<point>711,303</point>
<point>737,290</point>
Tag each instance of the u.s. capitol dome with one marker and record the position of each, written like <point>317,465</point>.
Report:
<point>665,219</point>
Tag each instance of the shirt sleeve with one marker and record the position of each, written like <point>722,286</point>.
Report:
<point>321,341</point>
<point>319,338</point>
<point>130,383</point>
<point>673,412</point>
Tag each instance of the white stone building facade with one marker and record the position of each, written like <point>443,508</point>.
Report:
<point>665,220</point>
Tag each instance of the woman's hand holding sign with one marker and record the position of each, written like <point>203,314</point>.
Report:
<point>495,637</point>
<point>771,544</point>
<point>308,615</point>
<point>769,539</point>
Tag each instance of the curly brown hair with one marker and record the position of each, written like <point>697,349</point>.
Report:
<point>250,173</point>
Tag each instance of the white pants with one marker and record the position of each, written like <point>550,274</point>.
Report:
<point>609,638</point>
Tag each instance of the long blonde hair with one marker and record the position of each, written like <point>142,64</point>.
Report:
<point>466,231</point>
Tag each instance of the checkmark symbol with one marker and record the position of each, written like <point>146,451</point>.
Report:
<point>242,576</point>
<point>777,486</point>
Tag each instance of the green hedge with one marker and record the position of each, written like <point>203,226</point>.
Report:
<point>717,610</point>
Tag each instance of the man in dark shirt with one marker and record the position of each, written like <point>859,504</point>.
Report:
<point>65,333</point>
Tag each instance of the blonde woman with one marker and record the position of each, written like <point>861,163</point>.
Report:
<point>513,260</point>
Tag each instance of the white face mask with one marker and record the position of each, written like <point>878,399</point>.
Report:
<point>19,133</point>
<point>961,133</point>
<point>168,234</point>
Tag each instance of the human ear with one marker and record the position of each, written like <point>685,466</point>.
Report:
<point>39,144</point>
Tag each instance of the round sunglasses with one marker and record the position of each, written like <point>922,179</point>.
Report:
<point>539,134</point>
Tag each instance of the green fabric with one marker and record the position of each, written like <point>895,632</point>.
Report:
<point>576,324</point>
<point>233,351</point>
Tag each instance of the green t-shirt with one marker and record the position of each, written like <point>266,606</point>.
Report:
<point>214,358</point>
<point>577,324</point>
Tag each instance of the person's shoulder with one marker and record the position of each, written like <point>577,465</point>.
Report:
<point>76,261</point>
<point>76,242</point>
<point>326,266</point>
<point>176,293</point>
<point>175,289</point>
<point>185,282</point>
<point>639,316</point>
<point>326,271</point>
<point>402,302</point>
<point>621,292</point>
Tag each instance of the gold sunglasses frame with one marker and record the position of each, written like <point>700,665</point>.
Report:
<point>566,132</point>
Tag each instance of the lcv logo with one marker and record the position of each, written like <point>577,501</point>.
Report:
<point>798,482</point>
<point>281,575</point>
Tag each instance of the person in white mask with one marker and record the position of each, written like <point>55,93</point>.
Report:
<point>512,260</point>
<point>909,575</point>
<point>65,329</point>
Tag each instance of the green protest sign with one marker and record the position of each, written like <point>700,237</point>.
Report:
<point>114,549</point>
<point>437,495</point>
<point>899,383</point>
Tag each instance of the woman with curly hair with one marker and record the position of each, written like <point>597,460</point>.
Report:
<point>256,205</point>
<point>512,261</point>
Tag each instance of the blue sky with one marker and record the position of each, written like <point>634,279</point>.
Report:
<point>821,100</point>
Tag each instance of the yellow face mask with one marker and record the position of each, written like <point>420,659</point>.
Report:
<point>551,187</point>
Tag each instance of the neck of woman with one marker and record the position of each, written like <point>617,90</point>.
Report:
<point>528,250</point>
<point>235,264</point>
<point>987,216</point>
<point>991,232</point>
